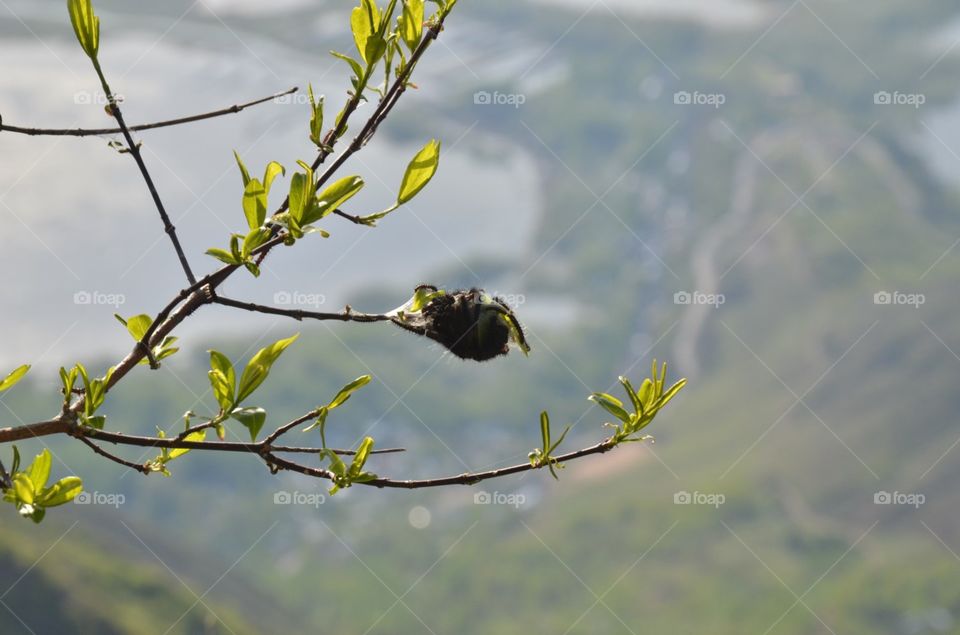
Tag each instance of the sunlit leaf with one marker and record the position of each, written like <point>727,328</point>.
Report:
<point>419,172</point>
<point>10,380</point>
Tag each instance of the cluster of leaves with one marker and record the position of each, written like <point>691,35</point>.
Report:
<point>138,326</point>
<point>376,42</point>
<point>94,394</point>
<point>646,403</point>
<point>343,476</point>
<point>28,490</point>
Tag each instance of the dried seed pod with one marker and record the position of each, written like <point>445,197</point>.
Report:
<point>471,324</point>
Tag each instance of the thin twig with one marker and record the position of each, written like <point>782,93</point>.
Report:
<point>135,151</point>
<point>348,315</point>
<point>94,132</point>
<point>468,478</point>
<point>116,459</point>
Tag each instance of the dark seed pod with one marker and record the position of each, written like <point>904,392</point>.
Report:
<point>471,324</point>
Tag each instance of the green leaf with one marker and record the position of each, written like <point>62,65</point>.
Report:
<point>255,203</point>
<point>137,326</point>
<point>671,393</point>
<point>223,256</point>
<point>244,173</point>
<point>199,435</point>
<point>270,173</point>
<point>348,390</point>
<point>254,239</point>
<point>360,458</point>
<point>252,418</point>
<point>611,404</point>
<point>646,392</point>
<point>411,23</point>
<point>39,470</point>
<point>334,196</point>
<point>316,117</point>
<point>632,394</point>
<point>419,172</point>
<point>259,367</point>
<point>11,380</point>
<point>301,191</point>
<point>23,488</point>
<point>61,492</point>
<point>222,390</point>
<point>86,26</point>
<point>354,64</point>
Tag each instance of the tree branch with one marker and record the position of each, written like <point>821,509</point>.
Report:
<point>468,478</point>
<point>93,132</point>
<point>347,315</point>
<point>135,151</point>
<point>116,459</point>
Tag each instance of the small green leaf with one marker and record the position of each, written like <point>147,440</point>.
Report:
<point>354,64</point>
<point>222,390</point>
<point>334,196</point>
<point>244,173</point>
<point>61,492</point>
<point>419,172</point>
<point>301,191</point>
<point>10,380</point>
<point>646,392</point>
<point>252,418</point>
<point>223,256</point>
<point>360,458</point>
<point>86,26</point>
<point>348,390</point>
<point>270,173</point>
<point>199,435</point>
<point>255,203</point>
<point>137,326</point>
<point>316,117</point>
<point>612,405</point>
<point>411,23</point>
<point>259,367</point>
<point>23,488</point>
<point>39,470</point>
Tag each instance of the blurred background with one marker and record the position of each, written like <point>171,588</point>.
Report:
<point>761,193</point>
